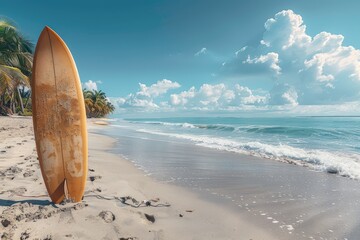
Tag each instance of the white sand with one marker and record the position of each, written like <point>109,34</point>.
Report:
<point>26,211</point>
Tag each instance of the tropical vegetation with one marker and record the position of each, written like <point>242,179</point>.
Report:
<point>16,58</point>
<point>15,69</point>
<point>97,104</point>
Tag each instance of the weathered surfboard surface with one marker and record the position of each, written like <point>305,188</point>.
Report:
<point>59,118</point>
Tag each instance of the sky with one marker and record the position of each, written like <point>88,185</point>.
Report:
<point>200,57</point>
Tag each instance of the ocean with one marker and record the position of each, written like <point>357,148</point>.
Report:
<point>330,144</point>
<point>272,171</point>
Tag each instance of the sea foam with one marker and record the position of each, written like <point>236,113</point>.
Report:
<point>345,164</point>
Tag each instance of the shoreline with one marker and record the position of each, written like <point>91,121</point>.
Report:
<point>188,217</point>
<point>287,200</point>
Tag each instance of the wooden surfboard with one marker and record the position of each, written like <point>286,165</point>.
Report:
<point>59,119</point>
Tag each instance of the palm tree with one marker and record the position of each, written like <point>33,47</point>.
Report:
<point>97,104</point>
<point>10,79</point>
<point>15,66</point>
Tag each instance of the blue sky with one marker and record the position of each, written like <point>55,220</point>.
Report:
<point>229,57</point>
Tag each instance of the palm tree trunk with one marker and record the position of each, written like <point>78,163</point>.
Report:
<point>12,104</point>
<point>20,100</point>
<point>27,99</point>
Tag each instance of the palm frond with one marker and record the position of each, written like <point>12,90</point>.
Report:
<point>11,78</point>
<point>96,103</point>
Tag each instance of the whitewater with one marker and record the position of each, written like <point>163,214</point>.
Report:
<point>329,144</point>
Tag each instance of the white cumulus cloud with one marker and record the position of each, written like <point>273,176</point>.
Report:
<point>309,70</point>
<point>216,97</point>
<point>158,88</point>
<point>283,94</point>
<point>271,59</point>
<point>90,85</point>
<point>183,97</point>
<point>286,30</point>
<point>144,98</point>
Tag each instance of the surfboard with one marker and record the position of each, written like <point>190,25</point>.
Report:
<point>59,119</point>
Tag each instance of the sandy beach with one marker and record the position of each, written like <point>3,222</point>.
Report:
<point>105,212</point>
<point>216,194</point>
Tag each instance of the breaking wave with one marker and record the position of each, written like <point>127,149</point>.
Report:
<point>344,164</point>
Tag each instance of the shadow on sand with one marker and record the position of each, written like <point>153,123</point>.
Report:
<point>8,203</point>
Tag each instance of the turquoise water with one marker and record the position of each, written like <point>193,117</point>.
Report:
<point>206,156</point>
<point>321,143</point>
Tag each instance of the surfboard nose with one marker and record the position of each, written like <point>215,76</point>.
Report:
<point>45,30</point>
<point>45,33</point>
<point>48,30</point>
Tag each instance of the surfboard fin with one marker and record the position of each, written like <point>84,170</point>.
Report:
<point>66,191</point>
<point>59,194</point>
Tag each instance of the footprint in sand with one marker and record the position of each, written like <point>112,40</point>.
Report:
<point>25,235</point>
<point>34,164</point>
<point>13,170</point>
<point>19,190</point>
<point>107,216</point>
<point>28,173</point>
<point>93,178</point>
<point>67,217</point>
<point>10,173</point>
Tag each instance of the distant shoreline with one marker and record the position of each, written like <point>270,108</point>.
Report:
<point>350,116</point>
